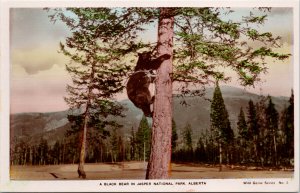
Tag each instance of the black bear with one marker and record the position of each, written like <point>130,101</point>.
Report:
<point>138,83</point>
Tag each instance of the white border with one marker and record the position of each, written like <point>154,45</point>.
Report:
<point>212,185</point>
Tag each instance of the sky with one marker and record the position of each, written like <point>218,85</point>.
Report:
<point>38,75</point>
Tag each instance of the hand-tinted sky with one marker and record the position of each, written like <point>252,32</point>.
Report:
<point>38,76</point>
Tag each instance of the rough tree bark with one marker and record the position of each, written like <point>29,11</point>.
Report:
<point>160,157</point>
<point>80,170</point>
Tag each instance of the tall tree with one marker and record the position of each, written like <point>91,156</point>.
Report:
<point>188,143</point>
<point>243,134</point>
<point>56,152</point>
<point>287,126</point>
<point>160,157</point>
<point>174,136</point>
<point>143,139</point>
<point>203,41</point>
<point>96,78</point>
<point>200,152</point>
<point>272,119</point>
<point>121,149</point>
<point>114,146</point>
<point>43,149</point>
<point>187,137</point>
<point>220,123</point>
<point>262,146</point>
<point>253,130</point>
<point>132,144</point>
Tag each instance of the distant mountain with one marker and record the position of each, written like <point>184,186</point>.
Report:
<point>198,111</point>
<point>52,126</point>
<point>33,126</point>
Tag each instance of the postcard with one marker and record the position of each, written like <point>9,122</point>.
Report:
<point>101,96</point>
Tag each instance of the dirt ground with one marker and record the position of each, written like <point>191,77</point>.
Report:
<point>137,170</point>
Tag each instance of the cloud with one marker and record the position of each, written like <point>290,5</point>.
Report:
<point>37,59</point>
<point>281,11</point>
<point>35,40</point>
<point>31,27</point>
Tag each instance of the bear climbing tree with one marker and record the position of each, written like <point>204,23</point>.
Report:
<point>138,83</point>
<point>206,45</point>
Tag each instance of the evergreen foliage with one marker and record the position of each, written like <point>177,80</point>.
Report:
<point>220,123</point>
<point>253,129</point>
<point>143,139</point>
<point>242,126</point>
<point>200,153</point>
<point>272,118</point>
<point>252,119</point>
<point>132,145</point>
<point>114,148</point>
<point>287,127</point>
<point>187,136</point>
<point>243,136</point>
<point>113,33</point>
<point>174,136</point>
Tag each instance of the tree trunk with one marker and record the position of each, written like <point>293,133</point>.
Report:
<point>242,153</point>
<point>101,154</point>
<point>275,148</point>
<point>80,170</point>
<point>220,157</point>
<point>112,156</point>
<point>227,157</point>
<point>255,149</point>
<point>160,156</point>
<point>31,156</point>
<point>25,157</point>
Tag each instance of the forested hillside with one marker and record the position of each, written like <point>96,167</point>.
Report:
<point>47,138</point>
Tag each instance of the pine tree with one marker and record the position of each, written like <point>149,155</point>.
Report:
<point>114,145</point>
<point>200,151</point>
<point>242,126</point>
<point>56,153</point>
<point>180,31</point>
<point>262,147</point>
<point>243,134</point>
<point>272,131</point>
<point>96,78</point>
<point>160,157</point>
<point>287,126</point>
<point>143,139</point>
<point>220,123</point>
<point>229,139</point>
<point>253,128</point>
<point>96,142</point>
<point>43,149</point>
<point>174,136</point>
<point>132,145</point>
<point>121,149</point>
<point>252,119</point>
<point>187,137</point>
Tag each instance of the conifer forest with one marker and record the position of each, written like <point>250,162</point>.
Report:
<point>264,138</point>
